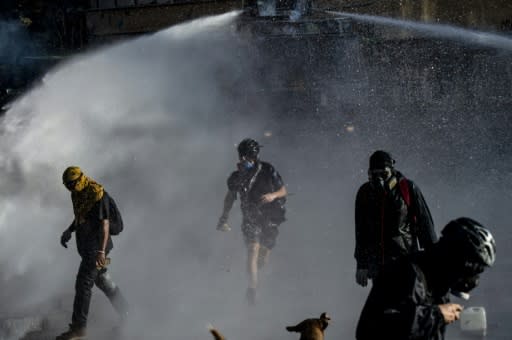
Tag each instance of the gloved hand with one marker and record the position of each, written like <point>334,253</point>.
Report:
<point>66,236</point>
<point>362,277</point>
<point>223,225</point>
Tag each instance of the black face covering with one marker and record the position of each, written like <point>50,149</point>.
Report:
<point>468,278</point>
<point>378,184</point>
<point>467,284</point>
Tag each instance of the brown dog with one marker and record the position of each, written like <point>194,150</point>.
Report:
<point>311,329</point>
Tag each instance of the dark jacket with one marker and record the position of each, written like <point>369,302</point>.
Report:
<point>387,228</point>
<point>402,305</point>
<point>253,184</point>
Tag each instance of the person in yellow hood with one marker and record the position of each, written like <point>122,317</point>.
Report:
<point>91,208</point>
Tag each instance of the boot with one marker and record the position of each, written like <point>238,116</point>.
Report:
<point>74,333</point>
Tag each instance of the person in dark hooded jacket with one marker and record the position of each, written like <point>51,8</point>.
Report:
<point>392,218</point>
<point>409,299</point>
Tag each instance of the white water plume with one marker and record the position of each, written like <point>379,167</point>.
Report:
<point>444,31</point>
<point>154,120</point>
<point>127,107</point>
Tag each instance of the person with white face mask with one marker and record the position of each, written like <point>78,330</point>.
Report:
<point>392,218</point>
<point>262,194</point>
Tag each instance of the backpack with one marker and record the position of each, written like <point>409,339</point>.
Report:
<point>115,220</point>
<point>404,190</point>
<point>277,211</point>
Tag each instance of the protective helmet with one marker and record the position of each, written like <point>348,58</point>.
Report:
<point>248,148</point>
<point>381,159</point>
<point>473,240</point>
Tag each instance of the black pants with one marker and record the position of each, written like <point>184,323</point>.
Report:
<point>88,275</point>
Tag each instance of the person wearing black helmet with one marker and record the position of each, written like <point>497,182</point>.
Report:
<point>262,195</point>
<point>409,299</point>
<point>392,218</point>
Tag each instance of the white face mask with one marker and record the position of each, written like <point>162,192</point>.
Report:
<point>380,177</point>
<point>380,174</point>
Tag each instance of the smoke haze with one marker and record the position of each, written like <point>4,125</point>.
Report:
<point>156,121</point>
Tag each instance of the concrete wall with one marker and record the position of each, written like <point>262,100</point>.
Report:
<point>102,23</point>
<point>108,19</point>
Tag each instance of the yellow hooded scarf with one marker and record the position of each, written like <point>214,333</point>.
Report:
<point>85,192</point>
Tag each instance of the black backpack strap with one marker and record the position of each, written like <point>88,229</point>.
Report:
<point>253,178</point>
